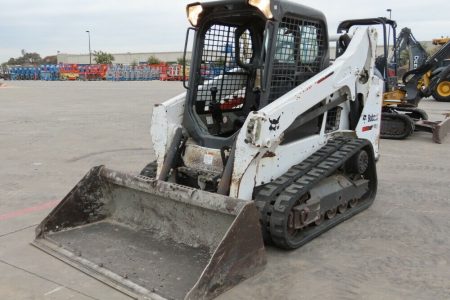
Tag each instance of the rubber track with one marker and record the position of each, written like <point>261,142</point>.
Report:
<point>270,191</point>
<point>387,130</point>
<point>412,112</point>
<point>274,198</point>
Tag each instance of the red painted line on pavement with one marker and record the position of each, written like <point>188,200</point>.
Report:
<point>28,210</point>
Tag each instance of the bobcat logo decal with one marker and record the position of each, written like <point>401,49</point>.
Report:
<point>274,124</point>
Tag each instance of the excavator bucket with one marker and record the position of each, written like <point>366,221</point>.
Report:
<point>152,239</point>
<point>439,129</point>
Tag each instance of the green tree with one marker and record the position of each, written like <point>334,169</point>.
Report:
<point>51,59</point>
<point>404,58</point>
<point>220,62</point>
<point>101,57</point>
<point>27,58</point>
<point>432,49</point>
<point>180,61</point>
<point>32,58</point>
<point>153,60</point>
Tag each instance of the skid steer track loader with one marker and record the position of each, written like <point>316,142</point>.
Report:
<point>278,147</point>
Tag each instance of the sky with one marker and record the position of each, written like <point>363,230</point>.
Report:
<point>49,26</point>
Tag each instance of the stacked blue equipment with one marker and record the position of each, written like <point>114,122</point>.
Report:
<point>49,72</point>
<point>83,69</point>
<point>128,73</point>
<point>25,73</point>
<point>131,73</point>
<point>32,73</point>
<point>113,73</point>
<point>154,74</point>
<point>13,73</point>
<point>110,73</point>
<point>17,73</point>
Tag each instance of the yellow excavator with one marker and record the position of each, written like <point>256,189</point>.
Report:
<point>442,90</point>
<point>441,41</point>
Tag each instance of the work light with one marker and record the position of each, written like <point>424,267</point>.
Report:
<point>193,12</point>
<point>263,6</point>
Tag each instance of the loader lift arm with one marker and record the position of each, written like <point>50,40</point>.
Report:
<point>334,83</point>
<point>383,65</point>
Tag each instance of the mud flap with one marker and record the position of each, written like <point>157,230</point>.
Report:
<point>438,129</point>
<point>152,239</point>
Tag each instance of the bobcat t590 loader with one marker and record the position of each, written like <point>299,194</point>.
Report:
<point>269,143</point>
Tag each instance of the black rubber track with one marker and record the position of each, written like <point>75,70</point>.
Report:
<point>276,199</point>
<point>396,126</point>
<point>268,193</point>
<point>413,112</point>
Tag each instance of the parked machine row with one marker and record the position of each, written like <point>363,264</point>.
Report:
<point>115,72</point>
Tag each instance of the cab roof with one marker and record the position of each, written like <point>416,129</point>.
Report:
<point>279,8</point>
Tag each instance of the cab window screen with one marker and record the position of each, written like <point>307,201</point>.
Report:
<point>218,69</point>
<point>298,54</point>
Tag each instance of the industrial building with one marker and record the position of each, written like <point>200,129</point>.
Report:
<point>130,58</point>
<point>123,58</point>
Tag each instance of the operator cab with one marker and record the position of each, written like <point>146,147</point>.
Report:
<point>226,87</point>
<point>246,54</point>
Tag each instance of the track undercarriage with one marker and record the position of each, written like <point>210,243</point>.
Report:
<point>399,122</point>
<point>395,125</point>
<point>333,184</point>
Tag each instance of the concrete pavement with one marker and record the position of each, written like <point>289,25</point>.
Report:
<point>52,133</point>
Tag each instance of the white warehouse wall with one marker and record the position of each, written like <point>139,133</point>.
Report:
<point>122,58</point>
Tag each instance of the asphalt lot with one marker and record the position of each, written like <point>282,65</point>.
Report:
<point>52,133</point>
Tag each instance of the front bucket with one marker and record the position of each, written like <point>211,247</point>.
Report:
<point>153,239</point>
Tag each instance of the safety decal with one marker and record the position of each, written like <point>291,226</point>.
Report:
<point>369,127</point>
<point>370,118</point>
<point>274,124</point>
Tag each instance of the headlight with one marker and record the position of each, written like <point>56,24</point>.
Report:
<point>193,12</point>
<point>263,6</point>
